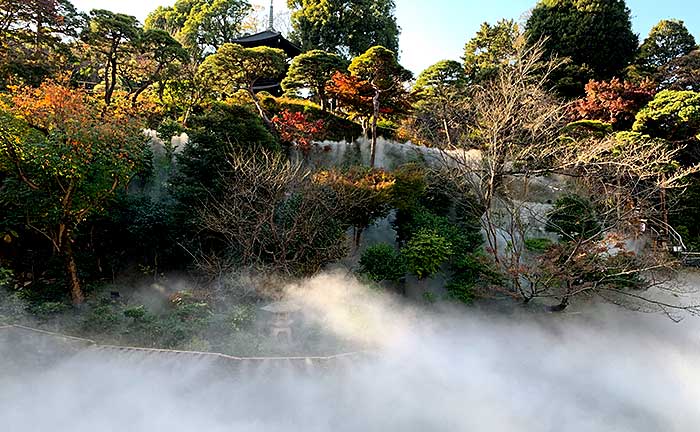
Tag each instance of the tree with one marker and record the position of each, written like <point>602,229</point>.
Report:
<point>381,262</point>
<point>272,214</point>
<point>667,41</point>
<point>515,123</point>
<point>235,68</point>
<point>313,70</point>
<point>295,128</point>
<point>615,102</point>
<point>345,27</point>
<point>672,115</point>
<point>157,58</point>
<point>202,26</point>
<point>353,95</point>
<point>35,37</point>
<point>382,71</point>
<point>439,114</point>
<point>363,194</point>
<point>491,47</point>
<point>425,253</point>
<point>220,130</point>
<point>68,155</point>
<point>112,35</point>
<point>593,34</point>
<point>682,73</point>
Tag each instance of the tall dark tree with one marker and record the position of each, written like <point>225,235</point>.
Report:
<point>112,36</point>
<point>596,35</point>
<point>668,40</point>
<point>346,27</point>
<point>313,70</point>
<point>491,47</point>
<point>202,26</point>
<point>34,37</point>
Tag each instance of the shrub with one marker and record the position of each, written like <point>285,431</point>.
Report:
<point>101,318</point>
<point>461,289</point>
<point>409,186</point>
<point>426,252</point>
<point>240,317</point>
<point>382,262</point>
<point>5,277</point>
<point>538,244</point>
<point>573,217</point>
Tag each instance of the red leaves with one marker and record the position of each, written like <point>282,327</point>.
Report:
<point>351,92</point>
<point>294,127</point>
<point>616,102</point>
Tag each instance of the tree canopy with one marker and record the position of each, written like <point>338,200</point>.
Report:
<point>345,27</point>
<point>491,47</point>
<point>596,35</point>
<point>235,68</point>
<point>202,26</point>
<point>667,41</point>
<point>313,70</point>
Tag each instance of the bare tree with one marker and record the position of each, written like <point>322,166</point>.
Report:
<point>273,214</point>
<point>517,127</point>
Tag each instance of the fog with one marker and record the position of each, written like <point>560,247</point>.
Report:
<point>434,368</point>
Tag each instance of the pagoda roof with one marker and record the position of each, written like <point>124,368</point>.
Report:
<point>269,38</point>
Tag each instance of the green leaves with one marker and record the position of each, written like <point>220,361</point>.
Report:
<point>379,67</point>
<point>668,40</point>
<point>492,47</point>
<point>313,70</point>
<point>382,262</point>
<point>426,252</point>
<point>345,27</point>
<point>234,67</point>
<point>202,26</point>
<point>672,115</point>
<point>593,34</point>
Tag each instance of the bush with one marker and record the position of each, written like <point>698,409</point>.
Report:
<point>336,128</point>
<point>426,252</point>
<point>102,318</point>
<point>5,277</point>
<point>573,217</point>
<point>538,244</point>
<point>461,289</point>
<point>410,185</point>
<point>382,262</point>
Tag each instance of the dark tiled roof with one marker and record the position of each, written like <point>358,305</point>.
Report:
<point>271,39</point>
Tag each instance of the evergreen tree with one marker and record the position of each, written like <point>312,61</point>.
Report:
<point>346,27</point>
<point>668,40</point>
<point>596,35</point>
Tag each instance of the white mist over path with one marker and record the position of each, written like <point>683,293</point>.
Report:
<point>437,370</point>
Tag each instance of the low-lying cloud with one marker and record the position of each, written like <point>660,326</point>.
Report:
<point>438,370</point>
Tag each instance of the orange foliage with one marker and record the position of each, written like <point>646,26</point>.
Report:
<point>294,127</point>
<point>616,102</point>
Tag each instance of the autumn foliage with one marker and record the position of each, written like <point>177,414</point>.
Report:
<point>351,93</point>
<point>616,102</point>
<point>294,127</point>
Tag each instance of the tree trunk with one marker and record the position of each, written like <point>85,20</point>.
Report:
<point>76,291</point>
<point>373,147</point>
<point>261,111</point>
<point>322,97</point>
<point>447,132</point>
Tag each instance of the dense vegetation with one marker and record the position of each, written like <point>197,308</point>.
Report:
<point>98,184</point>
